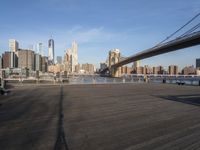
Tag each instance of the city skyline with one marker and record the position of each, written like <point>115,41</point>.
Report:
<point>129,26</point>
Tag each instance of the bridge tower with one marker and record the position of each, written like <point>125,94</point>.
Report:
<point>114,57</point>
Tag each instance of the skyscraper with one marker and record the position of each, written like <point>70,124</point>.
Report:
<point>38,62</point>
<point>74,55</point>
<point>13,59</point>
<point>13,45</point>
<point>51,56</point>
<point>136,64</point>
<point>39,49</point>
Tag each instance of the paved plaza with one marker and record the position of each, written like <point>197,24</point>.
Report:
<point>100,117</point>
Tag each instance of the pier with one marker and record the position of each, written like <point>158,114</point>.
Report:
<point>101,117</point>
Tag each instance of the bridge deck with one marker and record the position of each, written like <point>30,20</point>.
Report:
<point>102,117</point>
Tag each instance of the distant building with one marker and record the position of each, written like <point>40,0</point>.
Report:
<point>56,68</point>
<point>198,63</point>
<point>136,64</point>
<point>59,59</point>
<point>6,59</point>
<point>136,67</point>
<point>71,58</point>
<point>39,49</point>
<point>38,62</point>
<point>126,70</point>
<point>51,57</point>
<point>158,70</point>
<point>44,64</point>
<point>13,60</point>
<point>66,61</point>
<point>103,66</point>
<point>198,72</point>
<point>147,70</point>
<point>26,59</point>
<point>13,45</point>
<point>74,55</point>
<point>139,70</point>
<point>1,62</point>
<point>189,70</point>
<point>173,70</point>
<point>89,68</point>
<point>77,68</point>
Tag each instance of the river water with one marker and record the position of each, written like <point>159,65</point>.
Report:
<point>95,79</point>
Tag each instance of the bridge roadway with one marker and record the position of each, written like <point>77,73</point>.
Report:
<point>101,117</point>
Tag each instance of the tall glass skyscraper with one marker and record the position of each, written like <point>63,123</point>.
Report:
<point>51,56</point>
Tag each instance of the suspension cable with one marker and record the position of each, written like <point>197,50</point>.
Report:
<point>180,28</point>
<point>191,30</point>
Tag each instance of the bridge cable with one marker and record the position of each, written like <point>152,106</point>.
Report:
<point>191,30</point>
<point>180,28</point>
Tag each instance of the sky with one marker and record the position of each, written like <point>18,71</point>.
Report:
<point>99,26</point>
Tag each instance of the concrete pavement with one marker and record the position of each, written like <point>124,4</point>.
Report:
<point>101,117</point>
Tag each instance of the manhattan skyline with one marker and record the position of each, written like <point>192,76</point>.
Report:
<point>99,26</point>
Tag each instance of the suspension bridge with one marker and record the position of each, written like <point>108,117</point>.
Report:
<point>188,39</point>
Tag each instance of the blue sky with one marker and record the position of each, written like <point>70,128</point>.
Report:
<point>98,26</point>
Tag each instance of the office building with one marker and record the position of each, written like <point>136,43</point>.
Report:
<point>173,70</point>
<point>39,49</point>
<point>13,45</point>
<point>1,62</point>
<point>66,61</point>
<point>198,72</point>
<point>77,68</point>
<point>158,70</point>
<point>38,62</point>
<point>44,64</point>
<point>147,70</point>
<point>74,55</point>
<point>126,70</point>
<point>59,59</point>
<point>13,48</point>
<point>198,63</point>
<point>136,64</point>
<point>6,56</point>
<point>51,57</point>
<point>139,70</point>
<point>88,68</point>
<point>26,59</point>
<point>13,60</point>
<point>56,68</point>
<point>189,70</point>
<point>71,58</point>
<point>136,67</point>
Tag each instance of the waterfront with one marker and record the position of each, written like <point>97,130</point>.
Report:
<point>101,117</point>
<point>97,79</point>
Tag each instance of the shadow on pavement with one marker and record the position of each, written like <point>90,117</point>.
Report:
<point>61,143</point>
<point>192,99</point>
